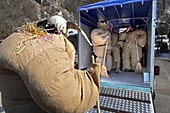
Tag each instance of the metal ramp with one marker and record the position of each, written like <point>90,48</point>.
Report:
<point>126,78</point>
<point>116,100</point>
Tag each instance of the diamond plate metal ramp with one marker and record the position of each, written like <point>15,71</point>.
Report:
<point>115,100</point>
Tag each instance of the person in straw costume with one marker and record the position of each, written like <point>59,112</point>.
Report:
<point>101,41</point>
<point>39,67</point>
<point>132,42</point>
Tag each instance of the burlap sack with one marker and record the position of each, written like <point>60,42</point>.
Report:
<point>15,95</point>
<point>45,66</point>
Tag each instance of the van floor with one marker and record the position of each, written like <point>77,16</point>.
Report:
<point>126,78</point>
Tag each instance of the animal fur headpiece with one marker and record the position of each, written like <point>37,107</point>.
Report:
<point>102,25</point>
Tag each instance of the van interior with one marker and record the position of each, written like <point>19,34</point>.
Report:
<point>119,15</point>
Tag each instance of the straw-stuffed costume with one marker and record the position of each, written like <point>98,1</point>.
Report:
<point>45,63</point>
<point>99,36</point>
<point>115,52</point>
<point>128,41</point>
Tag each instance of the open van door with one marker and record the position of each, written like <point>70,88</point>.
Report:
<point>127,92</point>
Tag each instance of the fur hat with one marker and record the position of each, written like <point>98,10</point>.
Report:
<point>102,25</point>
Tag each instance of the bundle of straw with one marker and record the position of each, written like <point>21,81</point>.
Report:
<point>32,28</point>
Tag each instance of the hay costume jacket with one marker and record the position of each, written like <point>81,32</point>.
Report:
<point>99,38</point>
<point>45,64</point>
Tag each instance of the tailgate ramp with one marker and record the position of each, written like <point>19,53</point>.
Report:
<point>117,100</point>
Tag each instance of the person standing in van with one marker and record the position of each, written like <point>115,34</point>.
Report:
<point>132,42</point>
<point>99,37</point>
